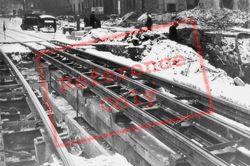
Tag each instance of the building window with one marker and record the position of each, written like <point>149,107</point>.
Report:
<point>192,4</point>
<point>170,7</point>
<point>227,4</point>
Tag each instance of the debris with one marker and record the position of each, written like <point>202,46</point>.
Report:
<point>214,18</point>
<point>238,82</point>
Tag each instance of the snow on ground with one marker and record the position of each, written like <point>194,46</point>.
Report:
<point>115,160</point>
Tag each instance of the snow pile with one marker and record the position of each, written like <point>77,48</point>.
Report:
<point>215,18</point>
<point>14,48</point>
<point>115,160</point>
<point>98,35</point>
<point>185,68</point>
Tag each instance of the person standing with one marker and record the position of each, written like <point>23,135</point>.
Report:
<point>149,22</point>
<point>4,30</point>
<point>173,34</point>
<point>55,26</point>
<point>92,19</point>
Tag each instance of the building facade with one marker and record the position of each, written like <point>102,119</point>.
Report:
<point>8,6</point>
<point>54,7</point>
<point>106,7</point>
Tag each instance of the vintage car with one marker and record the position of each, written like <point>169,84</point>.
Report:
<point>29,21</point>
<point>39,21</point>
<point>47,22</point>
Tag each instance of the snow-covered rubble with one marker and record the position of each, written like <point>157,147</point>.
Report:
<point>190,73</point>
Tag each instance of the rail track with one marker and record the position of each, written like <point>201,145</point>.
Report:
<point>220,106</point>
<point>200,136</point>
<point>19,125</point>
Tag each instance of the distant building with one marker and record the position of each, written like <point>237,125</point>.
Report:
<point>84,7</point>
<point>54,7</point>
<point>106,7</point>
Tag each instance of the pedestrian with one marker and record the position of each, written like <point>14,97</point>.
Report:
<point>4,28</point>
<point>173,34</point>
<point>97,23</point>
<point>92,19</point>
<point>149,22</point>
<point>55,26</point>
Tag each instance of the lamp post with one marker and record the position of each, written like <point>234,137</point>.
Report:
<point>119,7</point>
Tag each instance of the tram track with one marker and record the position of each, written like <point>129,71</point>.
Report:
<point>220,106</point>
<point>27,92</point>
<point>196,134</point>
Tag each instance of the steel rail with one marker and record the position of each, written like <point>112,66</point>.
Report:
<point>56,140</point>
<point>169,102</point>
<point>166,134</point>
<point>221,106</point>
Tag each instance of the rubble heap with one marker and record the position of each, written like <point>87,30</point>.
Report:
<point>216,19</point>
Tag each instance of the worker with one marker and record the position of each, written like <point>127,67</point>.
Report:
<point>78,27</point>
<point>4,27</point>
<point>149,22</point>
<point>55,26</point>
<point>92,19</point>
<point>173,34</point>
